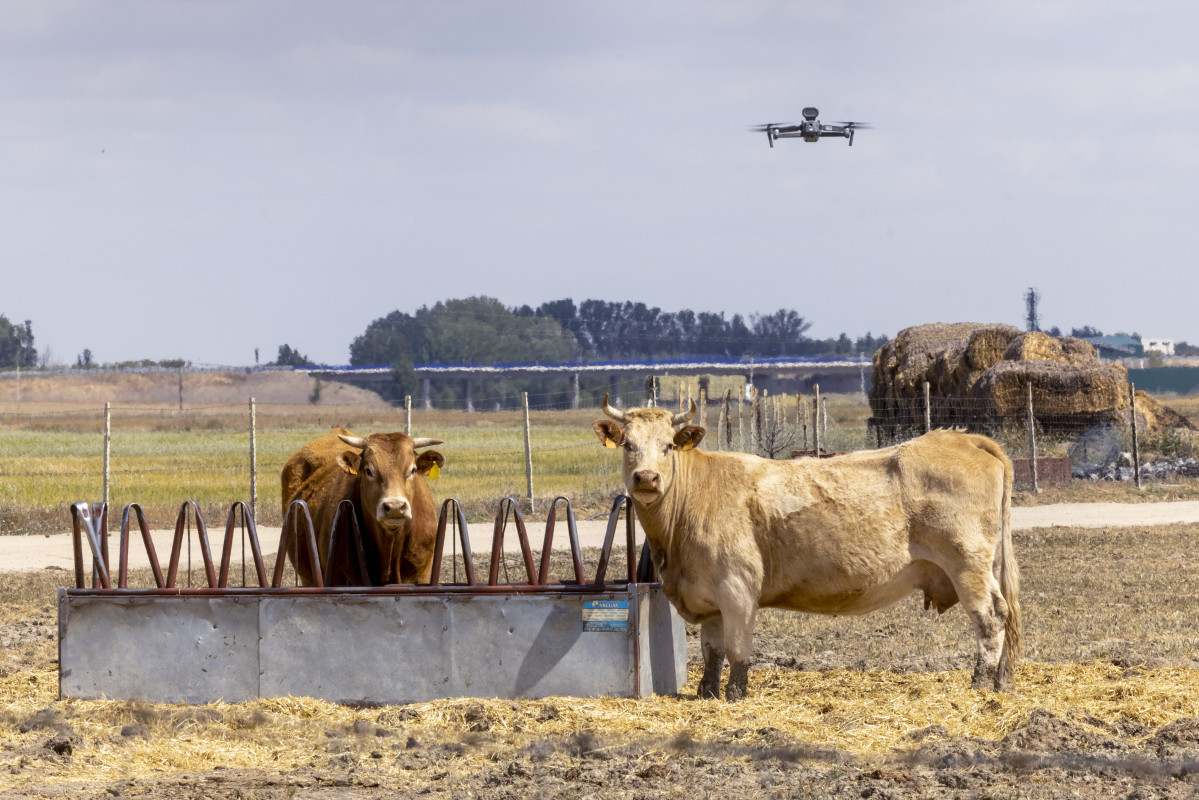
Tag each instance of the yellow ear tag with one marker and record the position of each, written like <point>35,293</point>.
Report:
<point>434,471</point>
<point>608,443</point>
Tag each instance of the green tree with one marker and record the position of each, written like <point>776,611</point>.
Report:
<point>16,344</point>
<point>291,358</point>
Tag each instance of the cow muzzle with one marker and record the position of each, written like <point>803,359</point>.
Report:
<point>646,480</point>
<point>393,512</point>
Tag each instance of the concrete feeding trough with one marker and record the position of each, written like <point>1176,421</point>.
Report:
<point>366,644</point>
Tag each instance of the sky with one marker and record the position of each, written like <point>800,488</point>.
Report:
<point>187,179</point>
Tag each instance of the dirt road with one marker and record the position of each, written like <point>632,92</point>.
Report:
<point>28,553</point>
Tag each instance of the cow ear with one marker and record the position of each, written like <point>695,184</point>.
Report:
<point>429,463</point>
<point>608,432</point>
<point>349,460</point>
<point>689,438</point>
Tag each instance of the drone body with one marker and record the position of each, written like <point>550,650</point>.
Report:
<point>810,130</point>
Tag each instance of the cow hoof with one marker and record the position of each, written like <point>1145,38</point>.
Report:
<point>984,682</point>
<point>734,692</point>
<point>708,691</point>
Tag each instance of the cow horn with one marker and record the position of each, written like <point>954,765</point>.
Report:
<point>357,442</point>
<point>683,416</point>
<point>425,442</point>
<point>614,413</point>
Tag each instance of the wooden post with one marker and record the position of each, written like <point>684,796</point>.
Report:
<point>755,421</point>
<point>928,411</point>
<point>819,422</point>
<point>804,422</point>
<point>253,459</point>
<point>408,414</point>
<point>728,419</point>
<point>1136,446</point>
<point>816,422</point>
<point>720,427</point>
<point>703,408</point>
<point>528,453</point>
<point>1032,444</point>
<point>107,447</point>
<point>740,425</point>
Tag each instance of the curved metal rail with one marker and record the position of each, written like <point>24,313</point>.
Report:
<point>348,552</point>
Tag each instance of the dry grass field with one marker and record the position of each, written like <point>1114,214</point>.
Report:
<point>1107,700</point>
<point>1107,705</point>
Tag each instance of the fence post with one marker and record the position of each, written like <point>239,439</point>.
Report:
<point>816,421</point>
<point>703,408</point>
<point>755,421</point>
<point>408,415</point>
<point>1032,444</point>
<point>824,416</point>
<point>720,427</point>
<point>803,413</point>
<point>253,460</point>
<point>1136,446</point>
<point>107,447</point>
<point>727,410</point>
<point>740,425</point>
<point>928,411</point>
<point>528,452</point>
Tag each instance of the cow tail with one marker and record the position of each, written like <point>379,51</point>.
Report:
<point>1009,579</point>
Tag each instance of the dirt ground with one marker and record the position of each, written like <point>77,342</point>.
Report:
<point>1107,705</point>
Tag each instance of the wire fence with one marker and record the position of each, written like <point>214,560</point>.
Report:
<point>51,457</point>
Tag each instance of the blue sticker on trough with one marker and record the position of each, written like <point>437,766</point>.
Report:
<point>606,615</point>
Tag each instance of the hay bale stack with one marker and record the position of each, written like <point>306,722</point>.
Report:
<point>947,355</point>
<point>978,376</point>
<point>1064,396</point>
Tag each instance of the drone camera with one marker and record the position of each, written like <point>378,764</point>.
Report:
<point>810,113</point>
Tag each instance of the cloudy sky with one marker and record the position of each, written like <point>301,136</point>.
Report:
<point>197,179</point>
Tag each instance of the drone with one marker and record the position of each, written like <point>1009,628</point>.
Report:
<point>810,130</point>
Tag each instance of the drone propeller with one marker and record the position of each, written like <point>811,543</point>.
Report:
<point>770,129</point>
<point>770,126</point>
<point>860,125</point>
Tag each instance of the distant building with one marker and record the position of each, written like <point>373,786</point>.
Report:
<point>1163,346</point>
<point>1119,346</point>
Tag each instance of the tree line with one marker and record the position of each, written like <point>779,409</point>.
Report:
<point>482,330</point>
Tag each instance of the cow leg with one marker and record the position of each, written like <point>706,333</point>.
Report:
<point>739,646</point>
<point>711,639</point>
<point>984,603</point>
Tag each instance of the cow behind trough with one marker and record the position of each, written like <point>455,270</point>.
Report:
<point>731,533</point>
<point>385,478</point>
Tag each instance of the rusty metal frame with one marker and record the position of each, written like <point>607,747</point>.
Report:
<point>89,522</point>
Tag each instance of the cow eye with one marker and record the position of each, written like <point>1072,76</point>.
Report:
<point>668,448</point>
<point>411,470</point>
<point>629,447</point>
<point>370,472</point>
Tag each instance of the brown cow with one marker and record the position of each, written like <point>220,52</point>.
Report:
<point>730,533</point>
<point>385,478</point>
